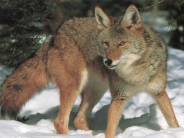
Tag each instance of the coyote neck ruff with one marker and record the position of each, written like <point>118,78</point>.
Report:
<point>141,63</point>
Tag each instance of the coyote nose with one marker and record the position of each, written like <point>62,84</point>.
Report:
<point>107,62</point>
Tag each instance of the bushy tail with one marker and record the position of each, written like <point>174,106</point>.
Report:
<point>27,79</point>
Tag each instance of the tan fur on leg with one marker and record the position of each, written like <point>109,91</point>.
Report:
<point>165,106</point>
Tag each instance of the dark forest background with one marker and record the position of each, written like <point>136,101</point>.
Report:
<point>26,24</point>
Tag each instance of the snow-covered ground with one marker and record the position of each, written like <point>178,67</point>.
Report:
<point>141,117</point>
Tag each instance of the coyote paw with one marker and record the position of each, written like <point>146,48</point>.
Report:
<point>61,126</point>
<point>81,123</point>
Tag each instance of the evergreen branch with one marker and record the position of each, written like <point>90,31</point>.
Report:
<point>177,4</point>
<point>172,20</point>
<point>10,57</point>
<point>153,5</point>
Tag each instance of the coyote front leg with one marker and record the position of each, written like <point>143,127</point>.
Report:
<point>114,115</point>
<point>90,97</point>
<point>166,108</point>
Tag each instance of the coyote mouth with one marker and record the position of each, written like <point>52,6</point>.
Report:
<point>112,67</point>
<point>111,64</point>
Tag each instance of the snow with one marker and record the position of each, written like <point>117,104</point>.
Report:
<point>141,117</point>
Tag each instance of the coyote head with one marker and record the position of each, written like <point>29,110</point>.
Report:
<point>120,39</point>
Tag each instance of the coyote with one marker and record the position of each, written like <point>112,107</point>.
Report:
<point>88,56</point>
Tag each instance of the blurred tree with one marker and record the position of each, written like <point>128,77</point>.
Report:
<point>24,23</point>
<point>20,30</point>
<point>175,20</point>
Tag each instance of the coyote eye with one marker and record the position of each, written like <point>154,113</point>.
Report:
<point>122,43</point>
<point>106,44</point>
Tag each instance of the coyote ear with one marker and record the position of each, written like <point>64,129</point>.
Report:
<point>132,18</point>
<point>102,18</point>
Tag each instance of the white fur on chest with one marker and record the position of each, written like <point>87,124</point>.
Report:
<point>125,66</point>
<point>83,80</point>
